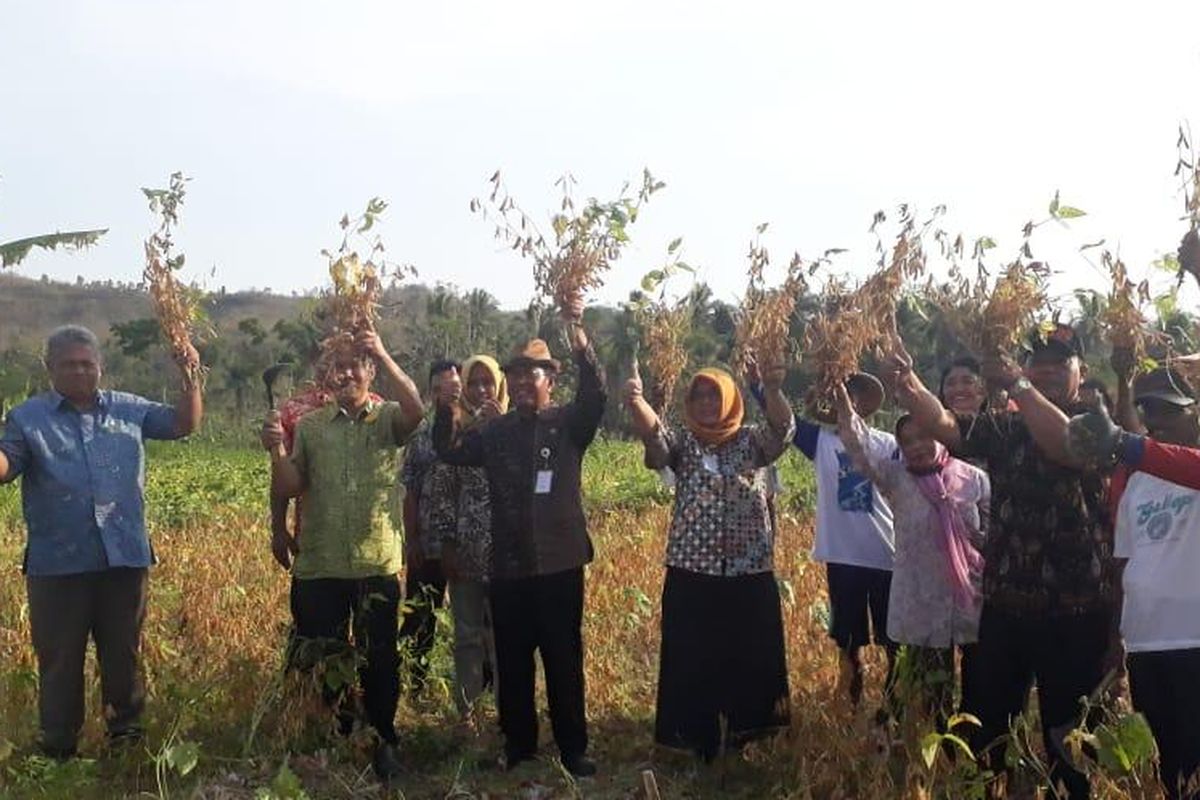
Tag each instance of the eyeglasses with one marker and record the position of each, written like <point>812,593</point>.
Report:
<point>526,373</point>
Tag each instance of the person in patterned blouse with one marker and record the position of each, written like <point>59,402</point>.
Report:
<point>430,511</point>
<point>1048,609</point>
<point>467,548</point>
<point>722,657</point>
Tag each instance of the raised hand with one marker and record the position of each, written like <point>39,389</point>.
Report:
<point>369,342</point>
<point>490,409</point>
<point>187,359</point>
<point>1124,362</point>
<point>842,403</point>
<point>571,309</point>
<point>773,377</point>
<point>1000,371</point>
<point>751,373</point>
<point>1093,438</point>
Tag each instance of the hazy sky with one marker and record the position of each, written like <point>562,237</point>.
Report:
<point>807,115</point>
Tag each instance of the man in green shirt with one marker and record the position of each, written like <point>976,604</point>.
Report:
<point>345,575</point>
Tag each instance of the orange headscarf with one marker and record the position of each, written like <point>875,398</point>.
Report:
<point>732,409</point>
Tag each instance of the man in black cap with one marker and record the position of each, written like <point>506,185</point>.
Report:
<point>1155,494</point>
<point>1048,580</point>
<point>533,458</point>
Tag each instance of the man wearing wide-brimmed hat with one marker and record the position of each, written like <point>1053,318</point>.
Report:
<point>532,456</point>
<point>1048,580</point>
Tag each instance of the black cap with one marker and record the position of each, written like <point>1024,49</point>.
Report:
<point>1164,384</point>
<point>1058,339</point>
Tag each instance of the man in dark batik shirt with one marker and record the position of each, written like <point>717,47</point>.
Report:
<point>1048,612</point>
<point>533,458</point>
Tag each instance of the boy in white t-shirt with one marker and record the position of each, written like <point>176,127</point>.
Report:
<point>1156,497</point>
<point>854,536</point>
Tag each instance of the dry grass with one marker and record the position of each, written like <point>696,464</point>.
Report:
<point>217,626</point>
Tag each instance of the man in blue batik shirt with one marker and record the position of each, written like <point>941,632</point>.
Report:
<point>79,452</point>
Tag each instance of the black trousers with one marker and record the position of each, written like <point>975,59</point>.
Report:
<point>1166,688</point>
<point>327,611</point>
<point>64,610</point>
<point>1064,654</point>
<point>425,590</point>
<point>543,614</point>
<point>722,675</point>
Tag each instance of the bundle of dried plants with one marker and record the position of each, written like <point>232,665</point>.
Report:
<point>586,238</point>
<point>176,304</point>
<point>764,318</point>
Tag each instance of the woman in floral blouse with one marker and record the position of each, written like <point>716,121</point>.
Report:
<point>722,669</point>
<point>940,505</point>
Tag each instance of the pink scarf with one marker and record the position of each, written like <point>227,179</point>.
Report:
<point>940,486</point>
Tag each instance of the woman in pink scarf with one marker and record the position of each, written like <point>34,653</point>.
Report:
<point>940,506</point>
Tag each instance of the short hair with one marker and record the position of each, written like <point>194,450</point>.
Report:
<point>65,336</point>
<point>442,365</point>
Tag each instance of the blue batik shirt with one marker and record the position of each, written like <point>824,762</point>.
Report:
<point>82,479</point>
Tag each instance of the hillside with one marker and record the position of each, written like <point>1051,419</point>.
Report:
<point>29,309</point>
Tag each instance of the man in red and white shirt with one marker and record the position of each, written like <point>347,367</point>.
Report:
<point>1155,494</point>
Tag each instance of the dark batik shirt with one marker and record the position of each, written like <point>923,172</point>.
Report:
<point>1049,544</point>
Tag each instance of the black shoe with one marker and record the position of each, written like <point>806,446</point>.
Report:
<point>386,762</point>
<point>510,761</point>
<point>579,766</point>
<point>57,753</point>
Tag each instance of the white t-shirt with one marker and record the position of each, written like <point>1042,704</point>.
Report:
<point>1158,530</point>
<point>854,522</point>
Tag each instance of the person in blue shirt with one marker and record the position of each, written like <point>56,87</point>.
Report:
<point>79,452</point>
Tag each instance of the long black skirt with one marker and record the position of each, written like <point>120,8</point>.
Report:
<point>722,676</point>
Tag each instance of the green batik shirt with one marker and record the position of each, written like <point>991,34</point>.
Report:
<point>351,524</point>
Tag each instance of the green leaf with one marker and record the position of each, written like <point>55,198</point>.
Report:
<point>960,744</point>
<point>674,245</point>
<point>1090,245</point>
<point>985,243</point>
<point>652,280</point>
<point>1054,205</point>
<point>762,228</point>
<point>930,743</point>
<point>1070,212</point>
<point>14,252</point>
<point>183,757</point>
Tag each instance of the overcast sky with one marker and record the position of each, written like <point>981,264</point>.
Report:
<point>808,115</point>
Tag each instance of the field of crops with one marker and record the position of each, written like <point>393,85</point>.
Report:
<point>223,722</point>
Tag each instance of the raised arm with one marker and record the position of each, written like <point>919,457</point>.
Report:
<point>1125,413</point>
<point>1046,422</point>
<point>465,450</point>
<point>853,433</point>
<point>912,395</point>
<point>189,407</point>
<point>644,420</point>
<point>587,409</point>
<point>400,387</point>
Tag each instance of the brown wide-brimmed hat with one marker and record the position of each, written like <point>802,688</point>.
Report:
<point>534,353</point>
<point>867,387</point>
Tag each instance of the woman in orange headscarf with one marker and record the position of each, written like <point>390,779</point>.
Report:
<point>720,583</point>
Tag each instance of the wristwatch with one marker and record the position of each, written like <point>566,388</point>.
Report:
<point>1019,386</point>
